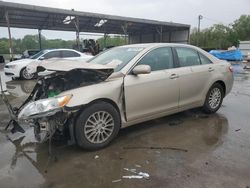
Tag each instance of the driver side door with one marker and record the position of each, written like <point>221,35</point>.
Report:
<point>156,92</point>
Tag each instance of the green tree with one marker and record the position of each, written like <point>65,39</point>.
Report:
<point>111,41</point>
<point>4,46</point>
<point>241,27</point>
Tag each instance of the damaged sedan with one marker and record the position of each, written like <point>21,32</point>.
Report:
<point>90,102</point>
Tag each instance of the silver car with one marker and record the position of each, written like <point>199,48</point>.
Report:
<point>91,101</point>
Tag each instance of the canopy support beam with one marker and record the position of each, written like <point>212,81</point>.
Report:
<point>40,39</point>
<point>9,32</point>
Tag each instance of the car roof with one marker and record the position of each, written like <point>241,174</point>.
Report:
<point>152,45</point>
<point>59,49</point>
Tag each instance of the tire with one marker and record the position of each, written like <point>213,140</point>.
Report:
<point>25,75</point>
<point>214,98</point>
<point>90,125</point>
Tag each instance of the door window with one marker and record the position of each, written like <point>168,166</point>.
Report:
<point>67,53</point>
<point>158,59</point>
<point>204,59</point>
<point>187,57</point>
<point>53,54</point>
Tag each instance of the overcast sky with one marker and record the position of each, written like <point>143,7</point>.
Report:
<point>180,11</point>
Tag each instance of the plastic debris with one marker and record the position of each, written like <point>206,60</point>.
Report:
<point>96,157</point>
<point>144,174</point>
<point>138,166</point>
<point>133,170</point>
<point>139,175</point>
<point>133,177</point>
<point>115,181</point>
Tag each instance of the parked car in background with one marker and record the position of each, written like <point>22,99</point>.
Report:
<point>16,57</point>
<point>17,69</point>
<point>2,60</point>
<point>30,53</point>
<point>123,86</point>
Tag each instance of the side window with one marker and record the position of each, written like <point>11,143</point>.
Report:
<point>67,53</point>
<point>53,54</point>
<point>158,59</point>
<point>204,59</point>
<point>187,57</point>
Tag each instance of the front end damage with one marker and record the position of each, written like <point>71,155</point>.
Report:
<point>45,108</point>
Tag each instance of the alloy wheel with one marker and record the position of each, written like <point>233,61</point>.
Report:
<point>99,127</point>
<point>214,98</point>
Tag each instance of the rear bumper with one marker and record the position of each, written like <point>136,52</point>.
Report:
<point>229,83</point>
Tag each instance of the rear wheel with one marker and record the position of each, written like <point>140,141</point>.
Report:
<point>25,75</point>
<point>214,99</point>
<point>97,126</point>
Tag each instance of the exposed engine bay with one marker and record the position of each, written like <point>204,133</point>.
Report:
<point>44,108</point>
<point>52,85</point>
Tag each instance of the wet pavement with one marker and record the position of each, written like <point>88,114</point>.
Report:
<point>188,149</point>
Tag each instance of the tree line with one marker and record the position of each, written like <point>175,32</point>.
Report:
<point>218,36</point>
<point>221,36</point>
<point>32,42</point>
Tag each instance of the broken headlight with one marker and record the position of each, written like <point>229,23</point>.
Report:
<point>44,107</point>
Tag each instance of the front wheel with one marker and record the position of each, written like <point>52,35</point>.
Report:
<point>214,99</point>
<point>97,126</point>
<point>25,75</point>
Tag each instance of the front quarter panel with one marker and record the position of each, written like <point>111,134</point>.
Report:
<point>110,89</point>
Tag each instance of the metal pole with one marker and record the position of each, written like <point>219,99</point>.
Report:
<point>199,22</point>
<point>40,39</point>
<point>159,31</point>
<point>10,39</point>
<point>161,35</point>
<point>77,32</point>
<point>170,36</point>
<point>125,31</point>
<point>105,37</point>
<point>199,25</point>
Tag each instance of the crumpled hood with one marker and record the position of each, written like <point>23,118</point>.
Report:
<point>26,61</point>
<point>63,65</point>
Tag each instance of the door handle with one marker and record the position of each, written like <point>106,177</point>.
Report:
<point>173,76</point>
<point>210,69</point>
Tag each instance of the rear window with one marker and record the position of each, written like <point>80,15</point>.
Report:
<point>187,57</point>
<point>204,59</point>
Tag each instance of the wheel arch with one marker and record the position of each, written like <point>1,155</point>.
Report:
<point>84,106</point>
<point>108,101</point>
<point>74,118</point>
<point>223,86</point>
<point>20,71</point>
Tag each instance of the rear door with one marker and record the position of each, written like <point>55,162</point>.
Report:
<point>156,92</point>
<point>194,74</point>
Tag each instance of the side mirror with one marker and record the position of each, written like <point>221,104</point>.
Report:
<point>41,58</point>
<point>141,69</point>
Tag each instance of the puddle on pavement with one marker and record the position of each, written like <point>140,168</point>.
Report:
<point>68,166</point>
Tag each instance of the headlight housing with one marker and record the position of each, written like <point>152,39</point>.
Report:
<point>44,107</point>
<point>10,66</point>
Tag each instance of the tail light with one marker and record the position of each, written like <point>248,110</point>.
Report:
<point>231,69</point>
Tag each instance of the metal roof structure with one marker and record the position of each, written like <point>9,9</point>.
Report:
<point>44,18</point>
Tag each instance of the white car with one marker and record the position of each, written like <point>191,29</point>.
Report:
<point>17,69</point>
